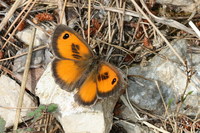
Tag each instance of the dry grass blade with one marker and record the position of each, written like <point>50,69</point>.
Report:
<point>157,30</point>
<point>194,28</point>
<point>10,13</point>
<point>169,22</point>
<point>17,47</point>
<point>156,82</point>
<point>154,127</point>
<point>119,10</point>
<point>25,8</point>
<point>61,8</point>
<point>22,89</point>
<point>19,24</point>
<point>16,56</point>
<point>128,104</point>
<point>18,107</point>
<point>89,17</point>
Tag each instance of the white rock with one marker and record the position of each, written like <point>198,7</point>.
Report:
<point>26,36</point>
<point>9,91</point>
<point>73,117</point>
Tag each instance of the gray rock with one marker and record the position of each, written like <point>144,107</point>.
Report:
<point>171,77</point>
<point>37,60</point>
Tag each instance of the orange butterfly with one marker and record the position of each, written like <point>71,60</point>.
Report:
<point>76,66</point>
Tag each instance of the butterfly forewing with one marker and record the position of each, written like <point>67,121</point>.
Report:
<point>108,80</point>
<point>67,73</point>
<point>67,44</point>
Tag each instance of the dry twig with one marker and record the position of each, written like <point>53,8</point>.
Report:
<point>25,76</point>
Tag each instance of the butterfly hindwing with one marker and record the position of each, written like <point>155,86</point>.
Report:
<point>87,93</point>
<point>67,44</point>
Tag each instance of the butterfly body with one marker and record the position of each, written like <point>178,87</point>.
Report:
<point>76,66</point>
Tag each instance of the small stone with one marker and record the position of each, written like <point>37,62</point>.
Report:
<point>26,36</point>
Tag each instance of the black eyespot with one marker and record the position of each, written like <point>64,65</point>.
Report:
<point>66,36</point>
<point>113,81</point>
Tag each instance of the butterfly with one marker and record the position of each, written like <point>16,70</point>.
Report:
<point>76,66</point>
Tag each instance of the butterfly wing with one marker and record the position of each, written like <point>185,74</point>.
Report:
<point>103,81</point>
<point>87,93</point>
<point>73,55</point>
<point>67,73</point>
<point>67,44</point>
<point>108,80</point>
